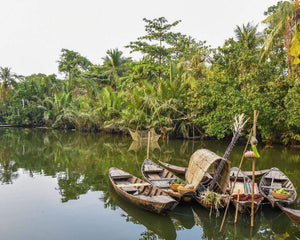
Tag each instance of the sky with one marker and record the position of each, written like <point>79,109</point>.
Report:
<point>35,31</point>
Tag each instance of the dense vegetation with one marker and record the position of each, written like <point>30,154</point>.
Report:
<point>180,86</point>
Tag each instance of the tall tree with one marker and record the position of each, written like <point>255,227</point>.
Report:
<point>156,45</point>
<point>72,64</point>
<point>114,66</point>
<point>281,21</point>
<point>7,79</point>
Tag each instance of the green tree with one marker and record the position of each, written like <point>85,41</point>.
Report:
<point>115,66</point>
<point>8,79</point>
<point>281,19</point>
<point>72,64</point>
<point>156,46</point>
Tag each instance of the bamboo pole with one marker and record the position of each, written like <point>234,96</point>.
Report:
<point>241,162</point>
<point>148,145</point>
<point>237,207</point>
<point>253,172</point>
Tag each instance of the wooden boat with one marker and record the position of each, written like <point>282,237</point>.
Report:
<point>275,179</point>
<point>173,168</point>
<point>243,188</point>
<point>291,213</point>
<point>160,177</point>
<point>142,136</point>
<point>182,170</point>
<point>140,192</point>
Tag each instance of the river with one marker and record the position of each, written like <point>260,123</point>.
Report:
<point>54,185</point>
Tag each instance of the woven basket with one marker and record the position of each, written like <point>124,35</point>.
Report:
<point>280,195</point>
<point>175,186</point>
<point>183,190</point>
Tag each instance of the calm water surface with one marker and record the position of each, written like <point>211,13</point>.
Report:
<point>54,185</point>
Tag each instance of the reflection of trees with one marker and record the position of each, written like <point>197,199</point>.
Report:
<point>80,162</point>
<point>8,167</point>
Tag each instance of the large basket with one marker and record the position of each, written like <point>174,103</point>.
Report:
<point>280,195</point>
<point>183,190</point>
<point>175,186</point>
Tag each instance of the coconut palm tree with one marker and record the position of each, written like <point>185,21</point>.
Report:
<point>7,79</point>
<point>115,66</point>
<point>248,36</point>
<point>281,23</point>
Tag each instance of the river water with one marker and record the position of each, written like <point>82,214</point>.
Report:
<point>54,185</point>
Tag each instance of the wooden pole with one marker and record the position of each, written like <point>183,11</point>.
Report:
<point>237,207</point>
<point>148,145</point>
<point>253,172</point>
<point>240,166</point>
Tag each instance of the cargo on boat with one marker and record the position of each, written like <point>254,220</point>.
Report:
<point>160,178</point>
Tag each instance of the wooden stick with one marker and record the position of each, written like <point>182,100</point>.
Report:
<point>253,172</point>
<point>237,206</point>
<point>241,162</point>
<point>252,202</point>
<point>148,146</point>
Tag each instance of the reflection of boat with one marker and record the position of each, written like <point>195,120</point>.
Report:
<point>160,177</point>
<point>140,136</point>
<point>160,225</point>
<point>184,214</point>
<point>211,225</point>
<point>182,170</point>
<point>173,168</point>
<point>140,192</point>
<point>275,179</point>
<point>243,188</point>
<point>291,213</point>
<point>136,146</point>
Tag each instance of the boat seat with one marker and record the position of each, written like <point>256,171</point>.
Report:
<point>129,189</point>
<point>120,175</point>
<point>276,185</point>
<point>152,169</point>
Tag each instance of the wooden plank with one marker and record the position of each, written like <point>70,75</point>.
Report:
<point>134,185</point>
<point>152,168</point>
<point>162,179</point>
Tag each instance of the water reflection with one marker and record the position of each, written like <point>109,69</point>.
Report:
<point>80,162</point>
<point>155,224</point>
<point>8,167</point>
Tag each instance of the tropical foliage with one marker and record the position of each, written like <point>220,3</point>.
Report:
<point>180,86</point>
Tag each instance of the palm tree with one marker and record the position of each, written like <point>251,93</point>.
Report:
<point>8,79</point>
<point>115,65</point>
<point>281,23</point>
<point>248,36</point>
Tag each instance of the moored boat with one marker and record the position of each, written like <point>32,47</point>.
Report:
<point>291,213</point>
<point>243,191</point>
<point>276,179</point>
<point>160,178</point>
<point>140,192</point>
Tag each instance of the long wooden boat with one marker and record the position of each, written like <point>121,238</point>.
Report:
<point>140,192</point>
<point>291,213</point>
<point>160,177</point>
<point>182,170</point>
<point>142,136</point>
<point>243,188</point>
<point>275,179</point>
